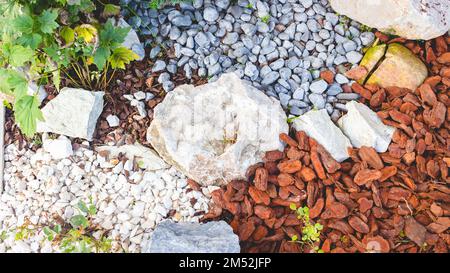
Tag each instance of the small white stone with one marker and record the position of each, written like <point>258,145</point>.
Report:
<point>113,120</point>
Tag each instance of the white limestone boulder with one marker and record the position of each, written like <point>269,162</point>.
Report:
<point>212,133</point>
<point>73,112</point>
<point>132,39</point>
<point>412,19</point>
<point>318,125</point>
<point>364,128</point>
<point>145,157</point>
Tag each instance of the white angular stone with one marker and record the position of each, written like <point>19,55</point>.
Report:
<point>412,19</point>
<point>73,112</point>
<point>364,128</point>
<point>214,132</point>
<point>318,125</point>
<point>131,40</point>
<point>147,158</point>
<point>58,148</point>
<point>113,120</point>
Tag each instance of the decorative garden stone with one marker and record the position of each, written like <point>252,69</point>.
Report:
<point>212,237</point>
<point>147,159</point>
<point>58,148</point>
<point>73,112</point>
<point>364,128</point>
<point>318,125</point>
<point>412,19</point>
<point>400,67</point>
<point>212,133</point>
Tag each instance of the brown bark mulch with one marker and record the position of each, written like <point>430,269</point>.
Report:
<point>397,201</point>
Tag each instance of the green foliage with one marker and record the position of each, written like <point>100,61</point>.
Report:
<point>310,232</point>
<point>265,19</point>
<point>156,4</point>
<point>43,41</point>
<point>75,236</point>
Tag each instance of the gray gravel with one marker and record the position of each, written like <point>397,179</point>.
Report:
<point>280,46</point>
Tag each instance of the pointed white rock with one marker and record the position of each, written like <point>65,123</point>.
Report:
<point>364,128</point>
<point>318,125</point>
<point>73,112</point>
<point>58,148</point>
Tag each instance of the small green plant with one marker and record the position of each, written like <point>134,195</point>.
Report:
<point>75,236</point>
<point>156,4</point>
<point>310,232</point>
<point>265,19</point>
<point>249,6</point>
<point>292,119</point>
<point>41,41</point>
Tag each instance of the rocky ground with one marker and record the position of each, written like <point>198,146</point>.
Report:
<point>279,46</point>
<point>40,189</point>
<point>396,201</point>
<point>302,55</point>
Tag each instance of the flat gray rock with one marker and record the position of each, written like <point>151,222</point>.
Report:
<point>212,237</point>
<point>73,112</point>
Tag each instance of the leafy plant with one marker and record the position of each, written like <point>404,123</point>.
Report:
<point>310,232</point>
<point>75,236</point>
<point>265,19</point>
<point>156,4</point>
<point>47,40</point>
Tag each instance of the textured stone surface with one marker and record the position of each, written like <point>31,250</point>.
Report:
<point>318,125</point>
<point>412,19</point>
<point>212,237</point>
<point>73,112</point>
<point>147,159</point>
<point>214,132</point>
<point>58,148</point>
<point>400,68</point>
<point>364,128</point>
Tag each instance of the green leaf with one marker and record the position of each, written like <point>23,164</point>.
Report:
<point>82,206</point>
<point>57,229</point>
<point>68,34</point>
<point>78,221</point>
<point>32,40</point>
<point>292,206</point>
<point>294,238</point>
<point>27,113</point>
<point>23,24</point>
<point>20,55</point>
<point>122,56</point>
<point>101,56</point>
<point>47,21</point>
<point>113,36</point>
<point>17,83</point>
<point>87,32</point>
<point>111,10</point>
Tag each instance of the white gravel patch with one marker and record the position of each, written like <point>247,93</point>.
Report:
<point>129,203</point>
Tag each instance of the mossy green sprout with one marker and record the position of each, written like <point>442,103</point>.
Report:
<point>310,232</point>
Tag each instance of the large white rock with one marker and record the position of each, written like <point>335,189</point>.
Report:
<point>214,132</point>
<point>73,112</point>
<point>132,39</point>
<point>412,19</point>
<point>364,128</point>
<point>147,159</point>
<point>57,148</point>
<point>318,125</point>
